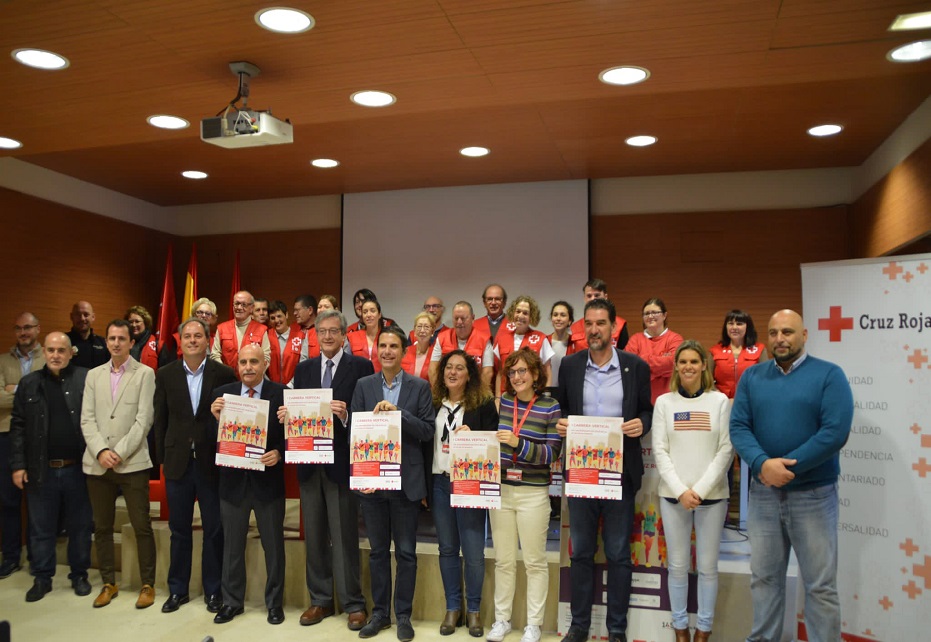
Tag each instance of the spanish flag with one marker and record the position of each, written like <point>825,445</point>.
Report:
<point>190,285</point>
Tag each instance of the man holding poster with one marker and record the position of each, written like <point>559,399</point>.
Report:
<point>243,491</point>
<point>393,513</point>
<point>331,511</point>
<point>604,382</point>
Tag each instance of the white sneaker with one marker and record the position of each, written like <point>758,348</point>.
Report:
<point>531,633</point>
<point>499,630</point>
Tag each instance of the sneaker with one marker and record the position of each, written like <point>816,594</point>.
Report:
<point>498,631</point>
<point>531,633</point>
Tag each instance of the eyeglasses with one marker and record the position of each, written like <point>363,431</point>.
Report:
<point>647,315</point>
<point>517,372</point>
<point>432,306</point>
<point>329,332</point>
<point>203,314</point>
<point>423,326</point>
<point>240,304</point>
<point>24,328</point>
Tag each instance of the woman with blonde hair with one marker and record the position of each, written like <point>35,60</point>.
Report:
<point>416,359</point>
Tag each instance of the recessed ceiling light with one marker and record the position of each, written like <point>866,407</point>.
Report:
<point>193,173</point>
<point>912,52</point>
<point>40,59</point>
<point>371,98</point>
<point>909,21</point>
<point>9,143</point>
<point>640,141</point>
<point>825,130</point>
<point>474,152</point>
<point>167,122</point>
<point>623,75</point>
<point>324,163</point>
<point>284,20</point>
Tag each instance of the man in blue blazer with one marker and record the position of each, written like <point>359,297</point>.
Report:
<point>394,513</point>
<point>331,511</point>
<point>603,381</point>
<point>244,491</point>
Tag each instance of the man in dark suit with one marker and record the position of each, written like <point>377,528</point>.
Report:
<point>331,511</point>
<point>186,447</point>
<point>243,491</point>
<point>393,514</point>
<point>603,381</point>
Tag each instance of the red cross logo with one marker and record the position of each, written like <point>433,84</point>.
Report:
<point>893,270</point>
<point>835,323</point>
<point>886,603</point>
<point>909,547</point>
<point>922,268</point>
<point>917,358</point>
<point>915,428</point>
<point>923,571</point>
<point>908,277</point>
<point>911,589</point>
<point>923,467</point>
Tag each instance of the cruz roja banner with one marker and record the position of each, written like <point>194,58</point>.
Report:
<point>873,318</point>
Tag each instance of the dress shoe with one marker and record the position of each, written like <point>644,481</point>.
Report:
<point>682,635</point>
<point>575,634</point>
<point>450,622</point>
<point>702,636</point>
<point>617,637</point>
<point>357,620</point>
<point>214,602</point>
<point>474,622</point>
<point>375,624</point>
<point>146,597</point>
<point>38,590</point>
<point>227,613</point>
<point>107,593</point>
<point>405,630</point>
<point>174,602</point>
<point>81,586</point>
<point>315,614</point>
<point>8,567</point>
<point>275,615</point>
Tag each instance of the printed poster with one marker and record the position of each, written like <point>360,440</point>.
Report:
<point>594,457</point>
<point>475,469</point>
<point>242,432</point>
<point>308,428</point>
<point>375,451</point>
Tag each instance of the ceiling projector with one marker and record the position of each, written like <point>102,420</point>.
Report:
<point>235,127</point>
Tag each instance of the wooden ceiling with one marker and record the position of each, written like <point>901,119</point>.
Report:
<point>734,86</point>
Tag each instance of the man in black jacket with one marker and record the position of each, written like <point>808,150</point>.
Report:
<point>47,446</point>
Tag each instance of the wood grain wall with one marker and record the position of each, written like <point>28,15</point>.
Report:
<point>896,211</point>
<point>703,265</point>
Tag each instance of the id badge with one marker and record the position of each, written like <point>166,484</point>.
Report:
<point>515,474</point>
<point>445,448</point>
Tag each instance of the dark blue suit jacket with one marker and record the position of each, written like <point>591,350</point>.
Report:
<point>635,379</point>
<point>417,416</point>
<point>350,370</point>
<point>268,484</point>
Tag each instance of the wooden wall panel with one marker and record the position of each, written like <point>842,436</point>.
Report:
<point>703,265</point>
<point>896,211</point>
<point>54,255</point>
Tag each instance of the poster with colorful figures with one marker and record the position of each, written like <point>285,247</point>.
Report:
<point>475,469</point>
<point>872,317</point>
<point>308,426</point>
<point>242,432</point>
<point>375,451</point>
<point>594,457</point>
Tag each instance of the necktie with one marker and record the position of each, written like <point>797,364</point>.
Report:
<point>251,393</point>
<point>328,374</point>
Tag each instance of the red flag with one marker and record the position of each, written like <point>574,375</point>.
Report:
<point>190,284</point>
<point>236,284</point>
<point>168,308</point>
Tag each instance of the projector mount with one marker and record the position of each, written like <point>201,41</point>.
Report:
<point>245,121</point>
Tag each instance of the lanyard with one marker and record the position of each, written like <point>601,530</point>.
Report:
<point>516,426</point>
<point>450,422</point>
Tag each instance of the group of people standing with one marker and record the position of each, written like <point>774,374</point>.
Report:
<point>495,373</point>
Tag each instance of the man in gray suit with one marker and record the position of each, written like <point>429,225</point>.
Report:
<point>116,416</point>
<point>393,514</point>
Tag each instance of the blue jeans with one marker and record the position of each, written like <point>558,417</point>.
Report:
<point>64,492</point>
<point>677,526</point>
<point>11,505</point>
<point>182,493</point>
<point>617,526</point>
<point>459,528</point>
<point>805,520</point>
<point>390,515</point>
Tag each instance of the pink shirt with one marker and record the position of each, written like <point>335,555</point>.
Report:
<point>115,376</point>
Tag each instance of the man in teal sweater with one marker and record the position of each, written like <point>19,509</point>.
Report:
<point>790,419</point>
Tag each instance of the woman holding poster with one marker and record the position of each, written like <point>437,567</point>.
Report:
<point>461,404</point>
<point>692,446</point>
<point>529,445</point>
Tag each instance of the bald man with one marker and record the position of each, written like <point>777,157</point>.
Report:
<point>90,350</point>
<point>23,358</point>
<point>791,416</point>
<point>46,461</point>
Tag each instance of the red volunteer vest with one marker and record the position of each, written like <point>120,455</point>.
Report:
<point>149,354</point>
<point>358,343</point>
<point>727,371</point>
<point>281,366</point>
<point>474,347</point>
<point>229,348</point>
<point>578,340</point>
<point>504,341</point>
<point>410,361</point>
